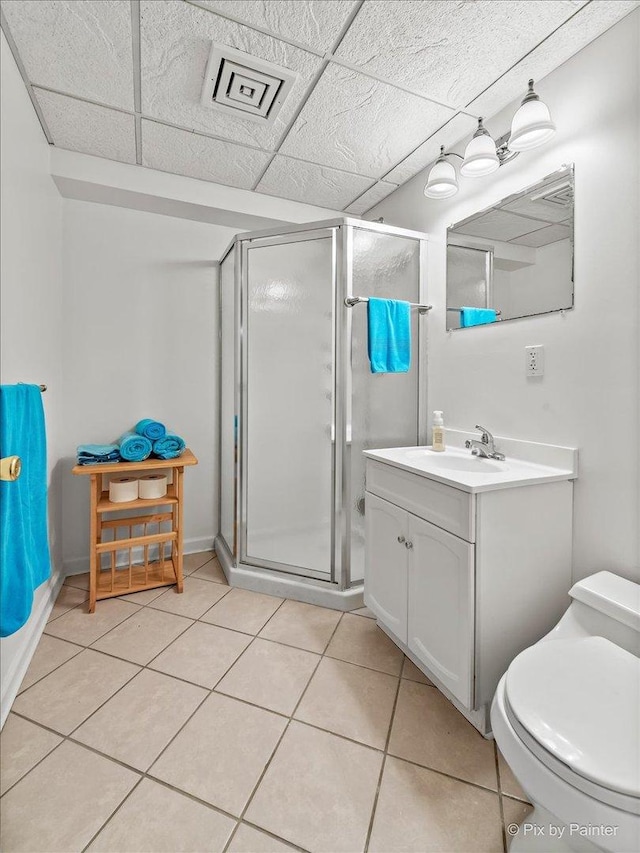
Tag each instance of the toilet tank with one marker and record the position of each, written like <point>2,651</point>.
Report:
<point>603,605</point>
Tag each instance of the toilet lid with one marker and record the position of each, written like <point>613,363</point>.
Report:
<point>580,699</point>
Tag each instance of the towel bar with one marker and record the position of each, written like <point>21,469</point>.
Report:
<point>350,301</point>
<point>498,313</point>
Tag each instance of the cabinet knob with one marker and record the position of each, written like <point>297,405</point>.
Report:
<point>401,539</point>
<point>408,545</point>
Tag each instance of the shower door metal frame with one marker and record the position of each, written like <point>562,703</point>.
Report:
<point>344,369</point>
<point>242,505</point>
<point>341,230</point>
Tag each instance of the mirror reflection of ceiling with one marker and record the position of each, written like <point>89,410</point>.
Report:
<point>543,215</point>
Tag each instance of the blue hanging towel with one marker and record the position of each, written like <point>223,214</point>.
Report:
<point>476,316</point>
<point>24,541</point>
<point>389,335</point>
<point>134,447</point>
<point>169,447</point>
<point>153,430</point>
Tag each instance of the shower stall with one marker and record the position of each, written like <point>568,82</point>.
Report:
<point>298,403</point>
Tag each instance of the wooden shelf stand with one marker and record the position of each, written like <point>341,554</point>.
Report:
<point>137,572</point>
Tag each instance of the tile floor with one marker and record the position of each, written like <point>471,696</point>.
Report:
<point>224,720</point>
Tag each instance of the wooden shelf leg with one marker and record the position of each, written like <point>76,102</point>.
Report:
<point>93,541</point>
<point>179,512</point>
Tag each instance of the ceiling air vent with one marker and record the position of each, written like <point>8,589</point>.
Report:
<point>241,85</point>
<point>560,194</point>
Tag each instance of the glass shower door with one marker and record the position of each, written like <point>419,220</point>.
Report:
<point>288,403</point>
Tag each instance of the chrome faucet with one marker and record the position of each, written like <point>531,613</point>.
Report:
<point>485,447</point>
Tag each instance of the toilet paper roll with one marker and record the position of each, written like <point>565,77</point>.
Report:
<point>122,489</point>
<point>152,486</point>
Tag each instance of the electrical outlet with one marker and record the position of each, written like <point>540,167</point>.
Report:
<point>534,365</point>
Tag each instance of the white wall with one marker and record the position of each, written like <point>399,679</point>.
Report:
<point>589,397</point>
<point>140,340</point>
<point>31,314</point>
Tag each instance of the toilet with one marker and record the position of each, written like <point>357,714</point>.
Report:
<point>566,717</point>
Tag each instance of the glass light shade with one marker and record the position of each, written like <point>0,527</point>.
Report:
<point>442,181</point>
<point>480,157</point>
<point>531,126</point>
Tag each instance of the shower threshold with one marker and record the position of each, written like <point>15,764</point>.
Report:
<point>285,585</point>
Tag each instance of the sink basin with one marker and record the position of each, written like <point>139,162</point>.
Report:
<point>456,466</point>
<point>447,462</point>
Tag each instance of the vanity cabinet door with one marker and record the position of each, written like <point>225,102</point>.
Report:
<point>441,605</point>
<point>385,576</point>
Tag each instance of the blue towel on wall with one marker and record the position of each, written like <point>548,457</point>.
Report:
<point>97,454</point>
<point>476,316</point>
<point>24,541</point>
<point>389,335</point>
<point>169,447</point>
<point>153,430</point>
<point>134,447</point>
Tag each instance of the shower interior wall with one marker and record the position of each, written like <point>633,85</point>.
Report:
<point>299,403</point>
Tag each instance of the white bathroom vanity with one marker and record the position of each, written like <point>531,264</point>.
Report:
<point>468,560</point>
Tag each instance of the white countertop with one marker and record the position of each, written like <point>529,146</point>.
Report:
<point>458,468</point>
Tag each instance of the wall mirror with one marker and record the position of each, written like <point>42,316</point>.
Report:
<point>514,259</point>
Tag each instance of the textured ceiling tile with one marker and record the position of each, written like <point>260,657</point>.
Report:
<point>184,153</point>
<point>591,22</point>
<point>319,185</point>
<point>316,23</point>
<point>366,201</point>
<point>80,48</point>
<point>176,42</point>
<point>85,127</point>
<point>355,123</point>
<point>448,50</point>
<point>460,126</point>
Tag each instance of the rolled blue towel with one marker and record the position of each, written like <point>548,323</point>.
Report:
<point>97,454</point>
<point>134,447</point>
<point>153,430</point>
<point>169,447</point>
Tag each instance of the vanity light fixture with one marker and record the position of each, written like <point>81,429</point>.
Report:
<point>442,181</point>
<point>480,156</point>
<point>531,126</point>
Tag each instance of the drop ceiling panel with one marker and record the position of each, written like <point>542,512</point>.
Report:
<point>459,126</point>
<point>496,225</point>
<point>371,197</point>
<point>550,234</point>
<point>184,153</point>
<point>362,125</point>
<point>448,51</point>
<point>316,23</point>
<point>314,184</point>
<point>83,48</point>
<point>587,25</point>
<point>175,44</point>
<point>85,127</point>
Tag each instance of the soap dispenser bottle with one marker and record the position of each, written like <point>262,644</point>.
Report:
<point>437,434</point>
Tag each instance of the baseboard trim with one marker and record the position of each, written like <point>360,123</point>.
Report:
<point>12,679</point>
<point>80,565</point>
